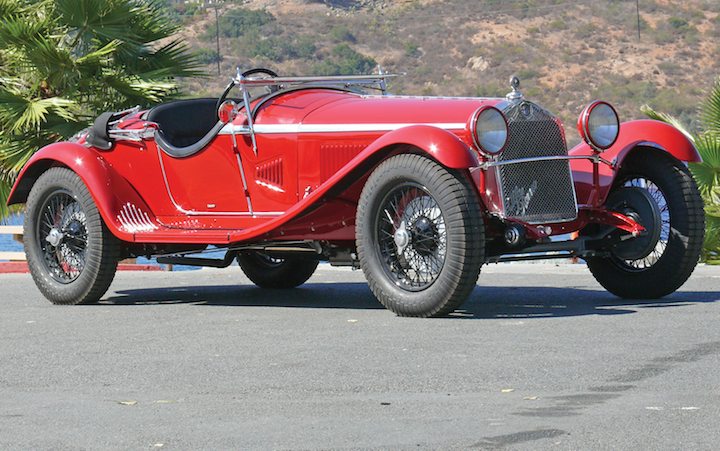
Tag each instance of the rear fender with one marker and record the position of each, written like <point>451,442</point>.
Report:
<point>635,136</point>
<point>122,209</point>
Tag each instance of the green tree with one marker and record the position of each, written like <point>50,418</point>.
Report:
<point>62,62</point>
<point>707,173</point>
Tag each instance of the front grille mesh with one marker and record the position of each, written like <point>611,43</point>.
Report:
<point>542,191</point>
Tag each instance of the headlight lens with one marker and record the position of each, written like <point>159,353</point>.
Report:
<point>490,130</point>
<point>599,125</point>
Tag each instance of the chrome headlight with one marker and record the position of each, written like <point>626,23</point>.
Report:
<point>490,130</point>
<point>599,125</point>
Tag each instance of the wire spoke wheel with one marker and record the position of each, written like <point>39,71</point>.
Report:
<point>420,236</point>
<point>71,254</point>
<point>670,208</point>
<point>267,271</point>
<point>410,231</point>
<point>62,236</point>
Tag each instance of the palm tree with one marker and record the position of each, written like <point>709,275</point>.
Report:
<point>62,62</point>
<point>707,173</point>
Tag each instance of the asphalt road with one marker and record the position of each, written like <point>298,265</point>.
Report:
<point>539,358</point>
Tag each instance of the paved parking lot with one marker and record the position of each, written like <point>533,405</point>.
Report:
<point>539,358</point>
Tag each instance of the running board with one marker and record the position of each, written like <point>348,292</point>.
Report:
<point>309,249</point>
<point>195,261</point>
<point>529,257</point>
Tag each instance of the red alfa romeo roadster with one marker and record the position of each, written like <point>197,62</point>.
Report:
<point>419,192</point>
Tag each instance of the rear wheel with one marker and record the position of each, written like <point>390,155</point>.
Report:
<point>420,236</point>
<point>269,272</point>
<point>71,255</point>
<point>660,193</point>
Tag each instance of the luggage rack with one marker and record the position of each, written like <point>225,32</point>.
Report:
<point>375,81</point>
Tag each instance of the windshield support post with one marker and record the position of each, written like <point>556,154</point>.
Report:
<point>248,112</point>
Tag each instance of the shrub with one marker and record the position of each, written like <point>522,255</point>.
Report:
<point>412,50</point>
<point>208,56</point>
<point>344,60</point>
<point>238,22</point>
<point>341,33</point>
<point>278,48</point>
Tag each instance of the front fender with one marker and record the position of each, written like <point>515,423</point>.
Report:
<point>633,137</point>
<point>120,206</point>
<point>440,144</point>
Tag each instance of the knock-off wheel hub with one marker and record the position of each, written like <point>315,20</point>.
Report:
<point>55,237</point>
<point>402,238</point>
<point>639,205</point>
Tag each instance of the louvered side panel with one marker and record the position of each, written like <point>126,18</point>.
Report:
<point>335,156</point>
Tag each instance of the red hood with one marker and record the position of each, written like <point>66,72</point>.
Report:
<point>324,106</point>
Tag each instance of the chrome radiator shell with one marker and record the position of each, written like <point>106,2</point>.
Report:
<point>535,192</point>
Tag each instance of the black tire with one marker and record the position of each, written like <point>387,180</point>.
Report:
<point>276,273</point>
<point>435,266</point>
<point>678,250</point>
<point>81,265</point>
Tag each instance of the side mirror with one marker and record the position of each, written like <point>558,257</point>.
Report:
<point>227,112</point>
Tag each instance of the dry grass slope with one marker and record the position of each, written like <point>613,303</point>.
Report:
<point>566,52</point>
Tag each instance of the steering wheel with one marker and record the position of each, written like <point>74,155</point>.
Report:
<point>247,73</point>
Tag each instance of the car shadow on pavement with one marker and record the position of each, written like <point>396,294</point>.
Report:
<point>486,302</point>
<point>538,302</point>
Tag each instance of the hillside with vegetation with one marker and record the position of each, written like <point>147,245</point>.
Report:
<point>566,52</point>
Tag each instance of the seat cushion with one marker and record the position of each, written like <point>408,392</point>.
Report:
<point>185,122</point>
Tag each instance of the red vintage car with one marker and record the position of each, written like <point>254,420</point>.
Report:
<point>419,192</point>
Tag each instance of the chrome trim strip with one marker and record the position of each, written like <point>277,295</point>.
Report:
<point>409,97</point>
<point>331,128</point>
<point>594,158</point>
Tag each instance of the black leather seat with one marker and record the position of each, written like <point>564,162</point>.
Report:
<point>186,126</point>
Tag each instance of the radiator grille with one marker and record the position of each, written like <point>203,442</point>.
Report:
<point>542,191</point>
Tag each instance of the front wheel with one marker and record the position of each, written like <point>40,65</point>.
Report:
<point>420,236</point>
<point>71,254</point>
<point>660,193</point>
<point>279,273</point>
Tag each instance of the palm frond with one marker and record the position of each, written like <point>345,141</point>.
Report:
<point>707,173</point>
<point>136,91</point>
<point>16,149</point>
<point>101,20</point>
<point>172,59</point>
<point>6,183</point>
<point>94,57</point>
<point>9,8</point>
<point>62,62</point>
<point>667,118</point>
<point>151,20</point>
<point>13,155</point>
<point>16,29</point>
<point>710,110</point>
<point>20,114</point>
